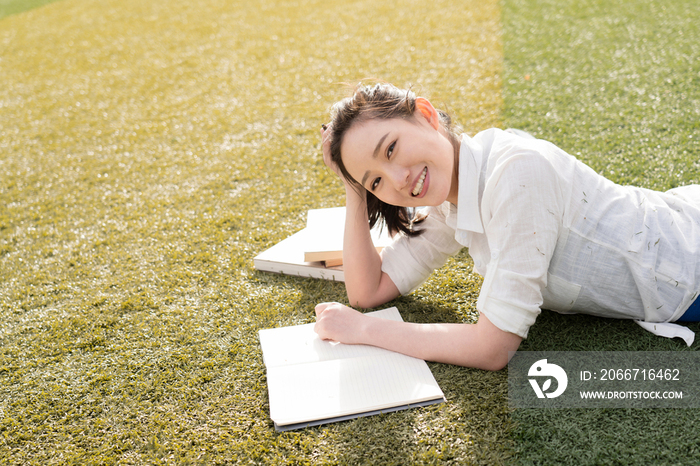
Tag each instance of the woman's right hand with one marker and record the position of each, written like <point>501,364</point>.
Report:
<point>350,189</point>
<point>326,132</point>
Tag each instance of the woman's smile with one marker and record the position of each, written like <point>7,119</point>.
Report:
<point>422,182</point>
<point>403,162</point>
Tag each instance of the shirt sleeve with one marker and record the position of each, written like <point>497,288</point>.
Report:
<point>409,261</point>
<point>522,211</point>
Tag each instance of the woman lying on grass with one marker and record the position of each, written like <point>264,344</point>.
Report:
<point>543,229</point>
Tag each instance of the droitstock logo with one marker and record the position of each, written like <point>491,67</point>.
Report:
<point>546,371</point>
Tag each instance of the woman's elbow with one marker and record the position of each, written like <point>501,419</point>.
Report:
<point>371,297</point>
<point>497,352</point>
<point>496,346</point>
<point>496,361</point>
<point>363,301</point>
<point>485,359</point>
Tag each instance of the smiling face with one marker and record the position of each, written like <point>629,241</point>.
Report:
<point>403,162</point>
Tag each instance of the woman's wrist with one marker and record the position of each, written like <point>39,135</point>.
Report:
<point>366,330</point>
<point>354,195</point>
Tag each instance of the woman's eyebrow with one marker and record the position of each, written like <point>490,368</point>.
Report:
<point>379,146</point>
<point>374,155</point>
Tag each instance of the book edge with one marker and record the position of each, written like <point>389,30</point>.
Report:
<point>347,417</point>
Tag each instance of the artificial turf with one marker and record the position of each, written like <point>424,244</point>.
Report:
<point>617,83</point>
<point>148,151</point>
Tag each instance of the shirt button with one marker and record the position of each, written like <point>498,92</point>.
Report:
<point>494,254</point>
<point>477,263</point>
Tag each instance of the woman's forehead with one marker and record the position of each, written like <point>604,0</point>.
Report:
<point>363,138</point>
<point>369,132</point>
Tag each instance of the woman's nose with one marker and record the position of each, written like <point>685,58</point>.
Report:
<point>400,177</point>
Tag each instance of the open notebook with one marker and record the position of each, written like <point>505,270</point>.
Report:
<point>312,382</point>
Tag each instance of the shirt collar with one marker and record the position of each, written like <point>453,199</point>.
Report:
<point>470,162</point>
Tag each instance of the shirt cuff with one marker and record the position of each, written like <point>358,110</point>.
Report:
<point>507,317</point>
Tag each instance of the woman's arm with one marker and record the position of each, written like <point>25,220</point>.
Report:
<point>367,286</point>
<point>481,345</point>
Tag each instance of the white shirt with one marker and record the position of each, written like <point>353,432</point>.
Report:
<point>546,231</point>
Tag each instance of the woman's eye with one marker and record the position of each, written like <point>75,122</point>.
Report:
<point>375,183</point>
<point>390,150</point>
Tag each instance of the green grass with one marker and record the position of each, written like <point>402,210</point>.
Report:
<point>618,84</point>
<point>12,7</point>
<point>148,151</point>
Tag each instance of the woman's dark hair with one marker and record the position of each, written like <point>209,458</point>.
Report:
<point>379,102</point>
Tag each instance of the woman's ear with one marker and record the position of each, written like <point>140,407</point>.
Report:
<point>427,111</point>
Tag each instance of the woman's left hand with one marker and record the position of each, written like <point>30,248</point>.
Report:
<point>340,323</point>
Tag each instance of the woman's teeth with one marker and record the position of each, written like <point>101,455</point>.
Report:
<point>419,186</point>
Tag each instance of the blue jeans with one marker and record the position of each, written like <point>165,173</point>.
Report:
<point>692,314</point>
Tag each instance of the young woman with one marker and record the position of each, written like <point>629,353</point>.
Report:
<point>544,230</point>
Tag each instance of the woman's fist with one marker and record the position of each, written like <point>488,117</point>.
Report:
<point>340,323</point>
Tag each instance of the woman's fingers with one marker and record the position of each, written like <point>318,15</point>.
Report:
<point>320,308</point>
<point>326,145</point>
<point>327,320</point>
<point>320,327</point>
<point>326,131</point>
<point>325,135</point>
<point>337,322</point>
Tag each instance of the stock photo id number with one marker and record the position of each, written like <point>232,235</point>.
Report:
<point>609,379</point>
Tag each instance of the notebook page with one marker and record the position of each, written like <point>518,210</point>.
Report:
<point>307,392</point>
<point>299,344</point>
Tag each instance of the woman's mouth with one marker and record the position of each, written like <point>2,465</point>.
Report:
<point>419,184</point>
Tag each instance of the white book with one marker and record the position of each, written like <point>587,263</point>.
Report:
<point>287,257</point>
<point>311,381</point>
<point>323,236</point>
<point>329,227</point>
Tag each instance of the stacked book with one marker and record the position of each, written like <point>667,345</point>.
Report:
<point>317,250</point>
